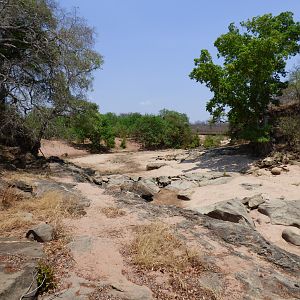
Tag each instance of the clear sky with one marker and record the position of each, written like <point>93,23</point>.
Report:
<point>149,48</point>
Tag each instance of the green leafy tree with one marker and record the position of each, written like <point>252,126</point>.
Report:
<point>177,133</point>
<point>149,131</point>
<point>250,78</point>
<point>46,64</point>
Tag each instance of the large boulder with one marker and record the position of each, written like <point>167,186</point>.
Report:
<point>292,235</point>
<point>282,212</point>
<point>232,210</point>
<point>41,233</point>
<point>146,188</point>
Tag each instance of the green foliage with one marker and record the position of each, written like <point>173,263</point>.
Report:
<point>149,130</point>
<point>250,78</point>
<point>169,129</point>
<point>46,63</point>
<point>123,143</point>
<point>289,127</point>
<point>292,92</point>
<point>45,277</point>
<point>212,141</point>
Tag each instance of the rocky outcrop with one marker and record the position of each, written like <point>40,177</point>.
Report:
<point>17,266</point>
<point>282,212</point>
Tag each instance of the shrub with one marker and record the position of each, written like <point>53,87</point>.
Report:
<point>123,143</point>
<point>45,277</point>
<point>212,141</point>
<point>289,127</point>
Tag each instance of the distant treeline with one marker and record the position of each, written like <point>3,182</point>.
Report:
<point>168,129</point>
<point>206,128</point>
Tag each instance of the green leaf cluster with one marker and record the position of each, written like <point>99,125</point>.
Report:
<point>254,57</point>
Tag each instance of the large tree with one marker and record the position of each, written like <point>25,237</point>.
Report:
<point>251,74</point>
<point>46,62</point>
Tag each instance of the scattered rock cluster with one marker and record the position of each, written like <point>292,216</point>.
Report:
<point>148,187</point>
<point>281,212</point>
<point>12,158</point>
<point>276,163</point>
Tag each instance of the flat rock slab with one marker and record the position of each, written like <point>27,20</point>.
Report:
<point>282,212</point>
<point>130,291</point>
<point>24,247</point>
<point>181,185</point>
<point>17,264</point>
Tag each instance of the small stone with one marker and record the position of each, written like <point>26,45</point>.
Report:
<point>154,166</point>
<point>276,171</point>
<point>164,180</point>
<point>268,162</point>
<point>250,186</point>
<point>105,179</point>
<point>254,201</point>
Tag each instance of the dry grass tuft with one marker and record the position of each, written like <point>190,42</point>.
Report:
<point>50,208</point>
<point>8,197</point>
<point>158,252</point>
<point>157,247</point>
<point>112,212</point>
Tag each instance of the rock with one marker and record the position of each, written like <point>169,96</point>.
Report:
<point>282,212</point>
<point>154,166</point>
<point>146,188</point>
<point>130,291</point>
<point>261,172</point>
<point>254,201</point>
<point>105,179</point>
<point>135,178</point>
<point>42,233</point>
<point>21,185</point>
<point>81,244</point>
<point>267,162</point>
<point>16,280</point>
<point>251,186</point>
<point>276,171</point>
<point>117,180</point>
<point>292,235</point>
<point>185,195</point>
<point>181,185</point>
<point>163,180</point>
<point>232,211</point>
<point>251,170</point>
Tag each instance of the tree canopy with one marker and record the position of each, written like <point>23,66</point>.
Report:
<point>251,76</point>
<point>46,61</point>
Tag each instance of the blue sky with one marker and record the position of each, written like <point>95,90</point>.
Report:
<point>149,48</point>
